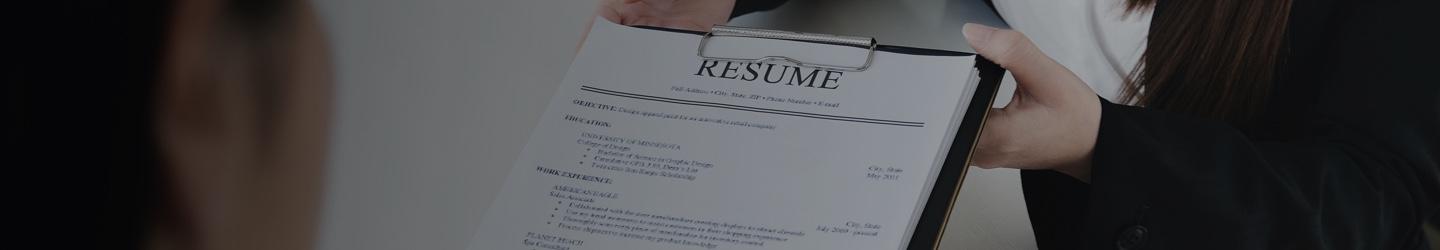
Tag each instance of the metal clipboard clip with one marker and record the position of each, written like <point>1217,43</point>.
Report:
<point>731,31</point>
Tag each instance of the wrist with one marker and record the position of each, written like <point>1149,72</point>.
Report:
<point>1079,168</point>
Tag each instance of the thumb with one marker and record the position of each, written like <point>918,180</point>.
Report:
<point>1034,72</point>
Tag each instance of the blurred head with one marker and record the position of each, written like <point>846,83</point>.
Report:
<point>241,111</point>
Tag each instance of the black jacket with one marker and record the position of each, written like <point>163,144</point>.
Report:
<point>1345,156</point>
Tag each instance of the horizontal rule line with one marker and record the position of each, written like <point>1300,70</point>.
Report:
<point>751,109</point>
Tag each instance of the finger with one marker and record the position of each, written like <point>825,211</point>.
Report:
<point>992,147</point>
<point>610,10</point>
<point>607,10</point>
<point>1033,71</point>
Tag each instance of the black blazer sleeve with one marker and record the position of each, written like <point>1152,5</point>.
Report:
<point>1355,166</point>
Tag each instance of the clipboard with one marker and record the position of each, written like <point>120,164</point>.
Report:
<point>930,227</point>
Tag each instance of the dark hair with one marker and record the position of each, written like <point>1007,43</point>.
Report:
<point>78,111</point>
<point>79,107</point>
<point>1214,58</point>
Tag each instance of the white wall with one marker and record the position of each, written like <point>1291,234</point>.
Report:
<point>433,99</point>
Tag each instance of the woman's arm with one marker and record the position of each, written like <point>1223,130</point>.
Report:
<point>1358,179</point>
<point>1355,166</point>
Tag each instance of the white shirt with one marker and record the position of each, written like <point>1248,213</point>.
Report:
<point>1096,39</point>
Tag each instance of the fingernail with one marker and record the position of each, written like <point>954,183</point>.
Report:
<point>976,33</point>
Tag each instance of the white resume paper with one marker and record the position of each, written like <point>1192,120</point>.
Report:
<point>648,146</point>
